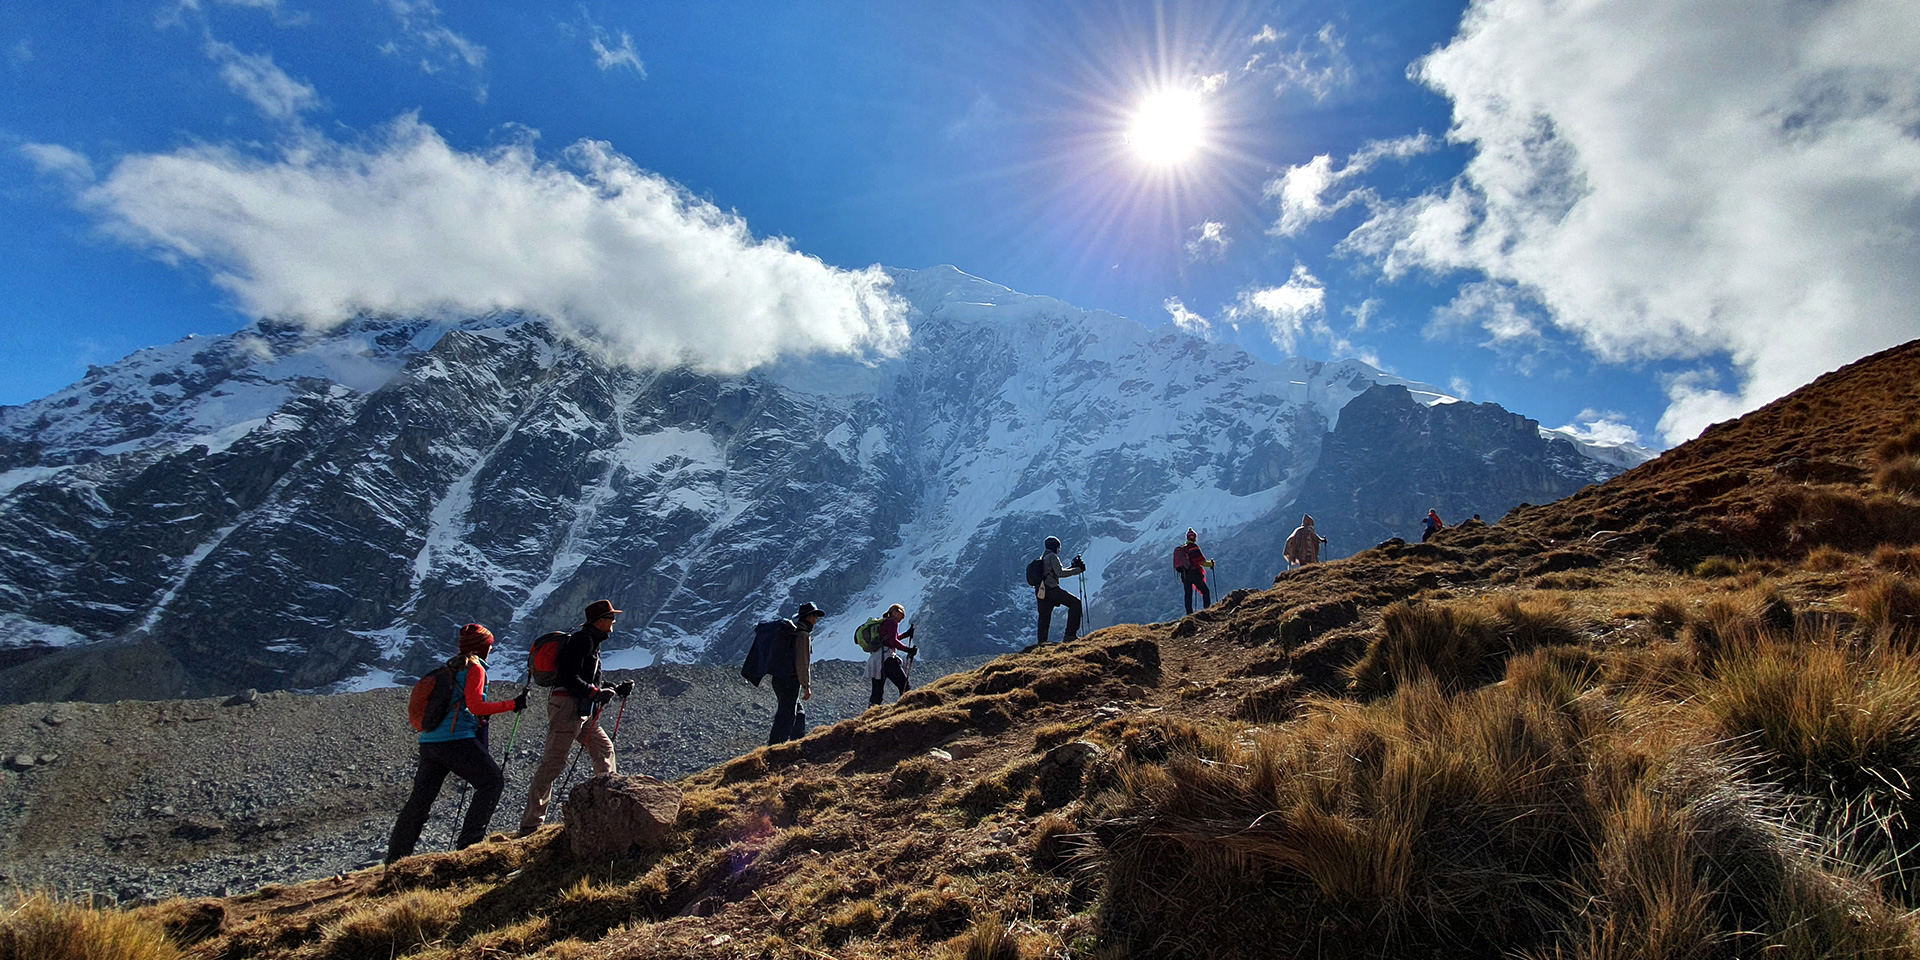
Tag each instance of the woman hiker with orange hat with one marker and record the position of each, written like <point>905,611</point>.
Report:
<point>458,745</point>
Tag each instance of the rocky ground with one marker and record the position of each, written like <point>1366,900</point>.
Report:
<point>141,800</point>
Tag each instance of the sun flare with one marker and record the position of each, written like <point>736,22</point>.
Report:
<point>1169,127</point>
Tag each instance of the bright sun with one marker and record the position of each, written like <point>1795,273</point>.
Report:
<point>1168,128</point>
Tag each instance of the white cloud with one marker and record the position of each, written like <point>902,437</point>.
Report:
<point>1604,429</point>
<point>610,48</point>
<point>1316,65</point>
<point>439,47</point>
<point>1287,311</point>
<point>983,115</point>
<point>64,163</point>
<point>174,14</point>
<point>407,224</point>
<point>1186,319</point>
<point>1501,310</point>
<point>1737,177</point>
<point>1303,190</point>
<point>1460,387</point>
<point>255,76</point>
<point>20,54</point>
<point>1207,240</point>
<point>1362,313</point>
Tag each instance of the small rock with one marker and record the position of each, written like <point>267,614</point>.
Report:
<point>47,758</point>
<point>21,761</point>
<point>242,698</point>
<point>52,720</point>
<point>1136,692</point>
<point>940,755</point>
<point>1108,712</point>
<point>1072,754</point>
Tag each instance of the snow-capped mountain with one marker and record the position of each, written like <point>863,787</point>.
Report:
<point>285,508</point>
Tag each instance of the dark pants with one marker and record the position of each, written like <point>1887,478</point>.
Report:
<point>467,759</point>
<point>1195,580</point>
<point>1060,597</point>
<point>890,669</point>
<point>789,720</point>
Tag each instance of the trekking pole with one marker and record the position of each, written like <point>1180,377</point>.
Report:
<point>615,735</point>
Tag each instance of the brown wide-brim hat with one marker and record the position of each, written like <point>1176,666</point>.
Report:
<point>601,608</point>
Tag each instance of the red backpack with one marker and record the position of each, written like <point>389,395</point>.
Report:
<point>432,697</point>
<point>543,665</point>
<point>1181,558</point>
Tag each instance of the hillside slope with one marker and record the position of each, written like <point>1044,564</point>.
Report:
<point>1671,716</point>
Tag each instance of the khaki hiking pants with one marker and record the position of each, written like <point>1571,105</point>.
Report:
<point>565,727</point>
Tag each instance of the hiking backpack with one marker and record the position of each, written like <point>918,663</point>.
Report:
<point>867,635</point>
<point>1182,557</point>
<point>1037,572</point>
<point>432,697</point>
<point>543,664</point>
<point>772,647</point>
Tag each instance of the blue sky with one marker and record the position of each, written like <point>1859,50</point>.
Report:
<point>1631,217</point>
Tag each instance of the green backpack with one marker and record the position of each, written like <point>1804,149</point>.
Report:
<point>867,635</point>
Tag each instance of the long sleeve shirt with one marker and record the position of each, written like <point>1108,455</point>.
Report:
<point>462,721</point>
<point>578,663</point>
<point>1055,569</point>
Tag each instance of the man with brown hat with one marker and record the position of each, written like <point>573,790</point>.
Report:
<point>573,711</point>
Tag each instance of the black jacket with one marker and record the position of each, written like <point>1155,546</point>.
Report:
<point>578,662</point>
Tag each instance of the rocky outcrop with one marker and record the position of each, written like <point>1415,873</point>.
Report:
<point>617,816</point>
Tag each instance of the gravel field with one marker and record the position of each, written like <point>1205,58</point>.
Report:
<point>142,800</point>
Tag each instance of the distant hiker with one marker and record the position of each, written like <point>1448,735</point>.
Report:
<point>1432,524</point>
<point>1303,546</point>
<point>1192,565</point>
<point>573,710</point>
<point>884,662</point>
<point>791,672</point>
<point>457,744</point>
<point>1049,594</point>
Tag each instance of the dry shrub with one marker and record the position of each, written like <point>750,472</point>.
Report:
<point>392,926</point>
<point>1843,517</point>
<point>988,940</point>
<point>1505,820</point>
<point>1901,477</point>
<point>1897,559</point>
<point>859,918</point>
<point>39,927</point>
<point>1827,559</point>
<point>1907,444</point>
<point>1838,727</point>
<point>1714,567</point>
<point>1733,619</point>
<point>1889,610</point>
<point>1055,841</point>
<point>1456,644</point>
<point>915,777</point>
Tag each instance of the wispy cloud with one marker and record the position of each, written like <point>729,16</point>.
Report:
<point>1305,192</point>
<point>1725,177</point>
<point>1286,311</point>
<point>175,13</point>
<point>65,164</point>
<point>439,48</point>
<point>1316,64</point>
<point>20,54</point>
<point>255,76</point>
<point>1186,319</point>
<point>983,116</point>
<point>607,55</point>
<point>405,223</point>
<point>1605,428</point>
<point>1207,240</point>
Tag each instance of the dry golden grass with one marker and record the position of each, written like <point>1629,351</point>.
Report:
<point>1897,559</point>
<point>1889,609</point>
<point>384,929</point>
<point>1457,644</point>
<point>988,940</point>
<point>1900,477</point>
<point>38,927</point>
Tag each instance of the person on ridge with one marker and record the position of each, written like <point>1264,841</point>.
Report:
<point>792,675</point>
<point>884,662</point>
<point>573,711</point>
<point>1303,545</point>
<point>1050,594</point>
<point>458,746</point>
<point>1192,565</point>
<point>1432,524</point>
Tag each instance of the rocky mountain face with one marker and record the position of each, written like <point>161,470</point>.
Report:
<point>285,508</point>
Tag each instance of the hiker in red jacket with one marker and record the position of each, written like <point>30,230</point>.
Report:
<point>1192,565</point>
<point>1432,524</point>
<point>458,746</point>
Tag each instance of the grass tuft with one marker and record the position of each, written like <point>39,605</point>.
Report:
<point>388,928</point>
<point>39,927</point>
<point>1456,645</point>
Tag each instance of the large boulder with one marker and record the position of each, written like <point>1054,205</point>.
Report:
<point>614,816</point>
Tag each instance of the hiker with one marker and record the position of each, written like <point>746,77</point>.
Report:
<point>458,745</point>
<point>1433,525</point>
<point>573,710</point>
<point>1192,565</point>
<point>1303,546</point>
<point>1050,594</point>
<point>884,662</point>
<point>791,673</point>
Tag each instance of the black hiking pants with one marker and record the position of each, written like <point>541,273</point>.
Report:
<point>890,669</point>
<point>468,759</point>
<point>1195,580</point>
<point>1060,597</point>
<point>789,720</point>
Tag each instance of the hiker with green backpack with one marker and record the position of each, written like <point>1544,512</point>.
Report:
<point>884,642</point>
<point>450,710</point>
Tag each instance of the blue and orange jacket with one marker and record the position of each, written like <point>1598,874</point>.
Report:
<point>470,708</point>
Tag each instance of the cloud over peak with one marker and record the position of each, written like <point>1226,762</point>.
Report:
<point>408,224</point>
